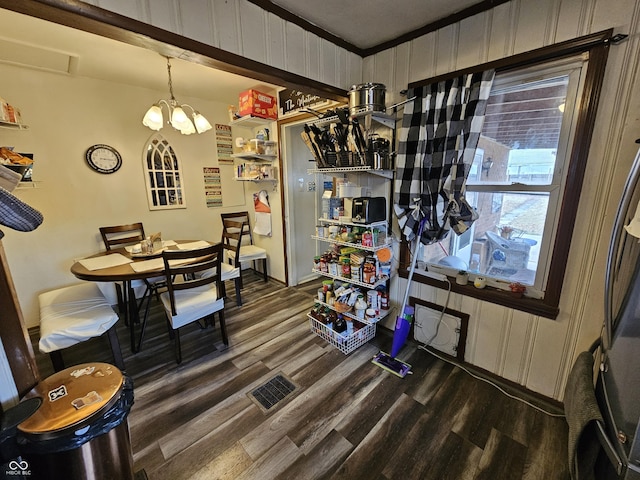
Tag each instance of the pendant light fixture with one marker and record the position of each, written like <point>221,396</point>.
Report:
<point>177,116</point>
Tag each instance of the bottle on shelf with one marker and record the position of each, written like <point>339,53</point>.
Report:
<point>346,268</point>
<point>360,306</point>
<point>384,300</point>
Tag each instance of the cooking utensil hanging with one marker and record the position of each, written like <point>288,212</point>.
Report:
<point>306,138</point>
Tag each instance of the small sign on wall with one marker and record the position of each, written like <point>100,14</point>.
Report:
<point>292,101</point>
<point>212,186</point>
<point>224,144</point>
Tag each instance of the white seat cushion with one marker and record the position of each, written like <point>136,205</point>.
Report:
<point>192,304</point>
<point>229,272</point>
<point>108,289</point>
<point>72,315</point>
<point>248,253</point>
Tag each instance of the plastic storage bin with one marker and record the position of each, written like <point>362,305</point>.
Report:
<point>80,431</point>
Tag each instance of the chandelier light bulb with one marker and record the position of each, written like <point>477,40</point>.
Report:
<point>153,118</point>
<point>188,129</point>
<point>202,124</point>
<point>179,119</point>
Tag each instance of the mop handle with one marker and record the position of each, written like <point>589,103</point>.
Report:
<point>413,264</point>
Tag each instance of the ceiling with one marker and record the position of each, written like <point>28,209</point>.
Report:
<point>368,23</point>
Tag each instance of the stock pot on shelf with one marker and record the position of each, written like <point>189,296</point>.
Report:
<point>368,97</point>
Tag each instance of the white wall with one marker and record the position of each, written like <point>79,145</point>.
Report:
<point>534,351</point>
<point>68,114</point>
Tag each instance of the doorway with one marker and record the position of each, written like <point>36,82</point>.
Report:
<point>301,199</point>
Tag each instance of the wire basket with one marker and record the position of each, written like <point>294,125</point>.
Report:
<point>339,159</point>
<point>346,344</point>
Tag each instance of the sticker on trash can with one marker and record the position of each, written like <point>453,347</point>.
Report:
<point>82,371</point>
<point>89,399</point>
<point>57,393</point>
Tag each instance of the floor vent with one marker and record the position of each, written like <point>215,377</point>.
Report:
<point>273,392</point>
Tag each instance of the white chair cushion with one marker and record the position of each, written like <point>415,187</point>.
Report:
<point>192,304</point>
<point>229,272</point>
<point>72,315</point>
<point>248,253</point>
<point>108,289</point>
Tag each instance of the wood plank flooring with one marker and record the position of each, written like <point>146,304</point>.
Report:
<point>348,419</point>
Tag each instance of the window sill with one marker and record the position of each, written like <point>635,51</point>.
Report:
<point>489,294</point>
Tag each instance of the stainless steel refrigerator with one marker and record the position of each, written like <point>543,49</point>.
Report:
<point>618,383</point>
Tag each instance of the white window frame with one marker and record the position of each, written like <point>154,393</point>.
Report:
<point>575,68</point>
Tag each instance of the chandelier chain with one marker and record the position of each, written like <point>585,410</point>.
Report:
<point>170,81</point>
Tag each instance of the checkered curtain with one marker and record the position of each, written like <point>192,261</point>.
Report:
<point>437,143</point>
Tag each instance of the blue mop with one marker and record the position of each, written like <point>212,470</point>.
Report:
<point>403,324</point>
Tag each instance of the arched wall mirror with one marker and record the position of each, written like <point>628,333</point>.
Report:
<point>163,175</point>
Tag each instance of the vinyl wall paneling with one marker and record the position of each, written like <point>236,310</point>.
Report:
<point>537,352</point>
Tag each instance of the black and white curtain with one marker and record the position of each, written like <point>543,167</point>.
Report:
<point>437,143</point>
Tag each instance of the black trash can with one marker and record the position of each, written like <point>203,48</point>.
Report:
<point>80,431</point>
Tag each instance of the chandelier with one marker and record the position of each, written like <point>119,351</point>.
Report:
<point>177,114</point>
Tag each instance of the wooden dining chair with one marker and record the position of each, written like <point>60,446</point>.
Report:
<point>119,236</point>
<point>191,296</point>
<point>237,240</point>
<point>122,235</point>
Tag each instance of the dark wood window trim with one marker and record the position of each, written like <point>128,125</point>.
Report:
<point>597,45</point>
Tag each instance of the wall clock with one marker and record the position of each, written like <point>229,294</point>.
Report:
<point>103,158</point>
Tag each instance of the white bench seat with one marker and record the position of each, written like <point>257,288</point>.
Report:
<point>72,315</point>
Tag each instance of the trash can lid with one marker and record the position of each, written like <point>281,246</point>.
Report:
<point>73,396</point>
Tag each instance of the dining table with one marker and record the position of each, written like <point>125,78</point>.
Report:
<point>125,265</point>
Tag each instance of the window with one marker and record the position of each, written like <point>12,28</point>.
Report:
<point>517,176</point>
<point>527,175</point>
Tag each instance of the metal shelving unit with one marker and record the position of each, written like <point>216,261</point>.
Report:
<point>348,343</point>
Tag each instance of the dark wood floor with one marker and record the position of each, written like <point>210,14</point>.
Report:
<point>348,419</point>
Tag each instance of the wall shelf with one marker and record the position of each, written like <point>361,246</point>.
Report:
<point>249,121</point>
<point>28,185</point>
<point>255,179</point>
<point>254,156</point>
<point>14,126</point>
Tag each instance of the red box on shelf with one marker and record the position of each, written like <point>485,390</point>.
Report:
<point>258,104</point>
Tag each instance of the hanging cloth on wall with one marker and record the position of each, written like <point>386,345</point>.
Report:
<point>262,224</point>
<point>437,142</point>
